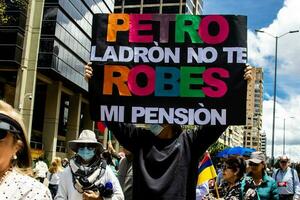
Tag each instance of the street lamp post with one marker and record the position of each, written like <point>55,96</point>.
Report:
<point>275,77</point>
<point>283,150</point>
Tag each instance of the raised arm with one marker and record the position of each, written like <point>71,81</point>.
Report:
<point>128,135</point>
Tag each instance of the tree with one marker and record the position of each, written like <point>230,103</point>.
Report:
<point>216,147</point>
<point>3,17</point>
<point>5,5</point>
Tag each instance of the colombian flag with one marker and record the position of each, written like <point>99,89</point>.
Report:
<point>206,170</point>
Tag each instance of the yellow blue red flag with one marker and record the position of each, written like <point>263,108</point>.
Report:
<point>206,170</point>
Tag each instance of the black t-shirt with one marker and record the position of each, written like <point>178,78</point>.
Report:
<point>165,169</point>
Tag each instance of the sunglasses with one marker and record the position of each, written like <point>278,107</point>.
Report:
<point>6,127</point>
<point>284,162</point>
<point>3,134</point>
<point>224,167</point>
<point>252,164</point>
<point>88,146</point>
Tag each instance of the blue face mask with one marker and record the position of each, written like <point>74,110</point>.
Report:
<point>86,153</point>
<point>155,129</point>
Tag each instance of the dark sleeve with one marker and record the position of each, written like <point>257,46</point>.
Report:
<point>122,172</point>
<point>205,136</point>
<point>128,135</point>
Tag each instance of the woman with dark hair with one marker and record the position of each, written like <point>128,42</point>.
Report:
<point>15,158</point>
<point>234,169</point>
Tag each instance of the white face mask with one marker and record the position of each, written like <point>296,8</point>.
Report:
<point>155,129</point>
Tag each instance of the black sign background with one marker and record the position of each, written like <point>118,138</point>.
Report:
<point>234,101</point>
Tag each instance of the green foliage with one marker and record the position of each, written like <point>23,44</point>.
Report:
<point>3,17</point>
<point>215,148</point>
<point>15,4</point>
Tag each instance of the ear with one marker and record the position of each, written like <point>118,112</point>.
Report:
<point>18,146</point>
<point>237,171</point>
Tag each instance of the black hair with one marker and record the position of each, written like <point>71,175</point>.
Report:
<point>236,163</point>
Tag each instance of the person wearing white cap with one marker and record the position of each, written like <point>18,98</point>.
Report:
<point>264,185</point>
<point>88,177</point>
<point>287,179</point>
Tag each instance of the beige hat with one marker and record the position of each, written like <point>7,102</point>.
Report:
<point>85,137</point>
<point>284,157</point>
<point>257,157</point>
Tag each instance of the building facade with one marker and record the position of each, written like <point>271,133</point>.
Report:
<point>159,6</point>
<point>45,81</point>
<point>44,49</point>
<point>232,136</point>
<point>253,127</point>
<point>263,142</point>
<point>251,134</point>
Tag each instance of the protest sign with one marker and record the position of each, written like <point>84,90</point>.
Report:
<point>177,69</point>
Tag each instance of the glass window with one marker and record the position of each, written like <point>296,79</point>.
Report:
<point>63,114</point>
<point>132,10</point>
<point>45,60</point>
<point>151,10</point>
<point>171,1</point>
<point>170,9</point>
<point>46,45</point>
<point>48,27</point>
<point>50,13</point>
<point>118,10</point>
<point>134,2</point>
<point>103,7</point>
<point>118,2</point>
<point>151,1</point>
<point>39,106</point>
<point>83,10</point>
<point>61,146</point>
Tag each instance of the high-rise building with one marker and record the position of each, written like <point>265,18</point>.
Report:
<point>232,136</point>
<point>253,127</point>
<point>42,72</point>
<point>159,6</point>
<point>263,142</point>
<point>249,135</point>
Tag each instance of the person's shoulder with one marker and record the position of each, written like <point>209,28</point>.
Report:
<point>28,183</point>
<point>269,179</point>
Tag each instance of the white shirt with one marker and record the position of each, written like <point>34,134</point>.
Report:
<point>285,180</point>
<point>66,190</point>
<point>54,179</point>
<point>41,169</point>
<point>17,186</point>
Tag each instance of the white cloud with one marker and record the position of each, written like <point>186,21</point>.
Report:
<point>261,48</point>
<point>288,109</point>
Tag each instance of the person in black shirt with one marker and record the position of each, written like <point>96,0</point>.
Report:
<point>165,158</point>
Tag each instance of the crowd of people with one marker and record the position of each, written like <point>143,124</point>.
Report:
<point>155,167</point>
<point>247,179</point>
<point>160,162</point>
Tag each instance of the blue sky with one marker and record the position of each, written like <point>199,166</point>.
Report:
<point>251,8</point>
<point>276,17</point>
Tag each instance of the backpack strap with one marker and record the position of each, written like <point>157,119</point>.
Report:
<point>277,171</point>
<point>293,180</point>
